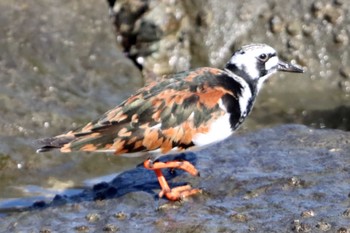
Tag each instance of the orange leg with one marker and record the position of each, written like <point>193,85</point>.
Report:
<point>176,193</point>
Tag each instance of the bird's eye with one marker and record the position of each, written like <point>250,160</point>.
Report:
<point>263,57</point>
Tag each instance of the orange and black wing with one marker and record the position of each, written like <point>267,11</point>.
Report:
<point>161,116</point>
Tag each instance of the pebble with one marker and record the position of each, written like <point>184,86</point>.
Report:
<point>307,30</point>
<point>120,215</point>
<point>333,15</point>
<point>323,226</point>
<point>296,182</point>
<point>110,228</point>
<point>300,227</point>
<point>343,230</point>
<point>39,204</point>
<point>237,217</point>
<point>340,37</point>
<point>316,8</point>
<point>339,2</point>
<point>346,213</point>
<point>45,230</point>
<point>92,217</point>
<point>294,44</point>
<point>81,228</point>
<point>344,72</point>
<point>276,24</point>
<point>307,214</point>
<point>293,28</point>
<point>329,12</point>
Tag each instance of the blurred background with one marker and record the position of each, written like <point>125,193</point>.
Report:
<point>63,63</point>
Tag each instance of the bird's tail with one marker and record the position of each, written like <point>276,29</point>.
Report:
<point>47,144</point>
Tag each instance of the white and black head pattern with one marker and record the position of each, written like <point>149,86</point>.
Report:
<point>256,62</point>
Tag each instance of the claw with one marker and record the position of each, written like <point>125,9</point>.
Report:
<point>179,193</point>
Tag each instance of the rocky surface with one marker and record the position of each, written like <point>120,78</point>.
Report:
<point>284,179</point>
<point>61,65</point>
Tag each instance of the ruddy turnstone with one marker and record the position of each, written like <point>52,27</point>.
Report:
<point>187,109</point>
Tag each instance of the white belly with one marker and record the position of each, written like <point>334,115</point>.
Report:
<point>218,131</point>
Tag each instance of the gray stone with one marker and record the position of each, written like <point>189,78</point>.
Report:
<point>249,182</point>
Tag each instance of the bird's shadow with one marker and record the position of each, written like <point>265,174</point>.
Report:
<point>133,180</point>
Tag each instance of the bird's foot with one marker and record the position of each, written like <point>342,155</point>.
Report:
<point>179,193</point>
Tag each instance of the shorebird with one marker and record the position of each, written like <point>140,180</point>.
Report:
<point>185,110</point>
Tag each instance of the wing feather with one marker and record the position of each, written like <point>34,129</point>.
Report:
<point>159,116</point>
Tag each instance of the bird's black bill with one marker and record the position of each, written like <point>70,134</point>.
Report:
<point>287,67</point>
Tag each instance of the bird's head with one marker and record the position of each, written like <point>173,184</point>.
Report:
<point>256,62</point>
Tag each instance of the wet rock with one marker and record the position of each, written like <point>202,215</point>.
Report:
<point>105,193</point>
<point>39,204</point>
<point>313,162</point>
<point>60,200</point>
<point>100,186</point>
